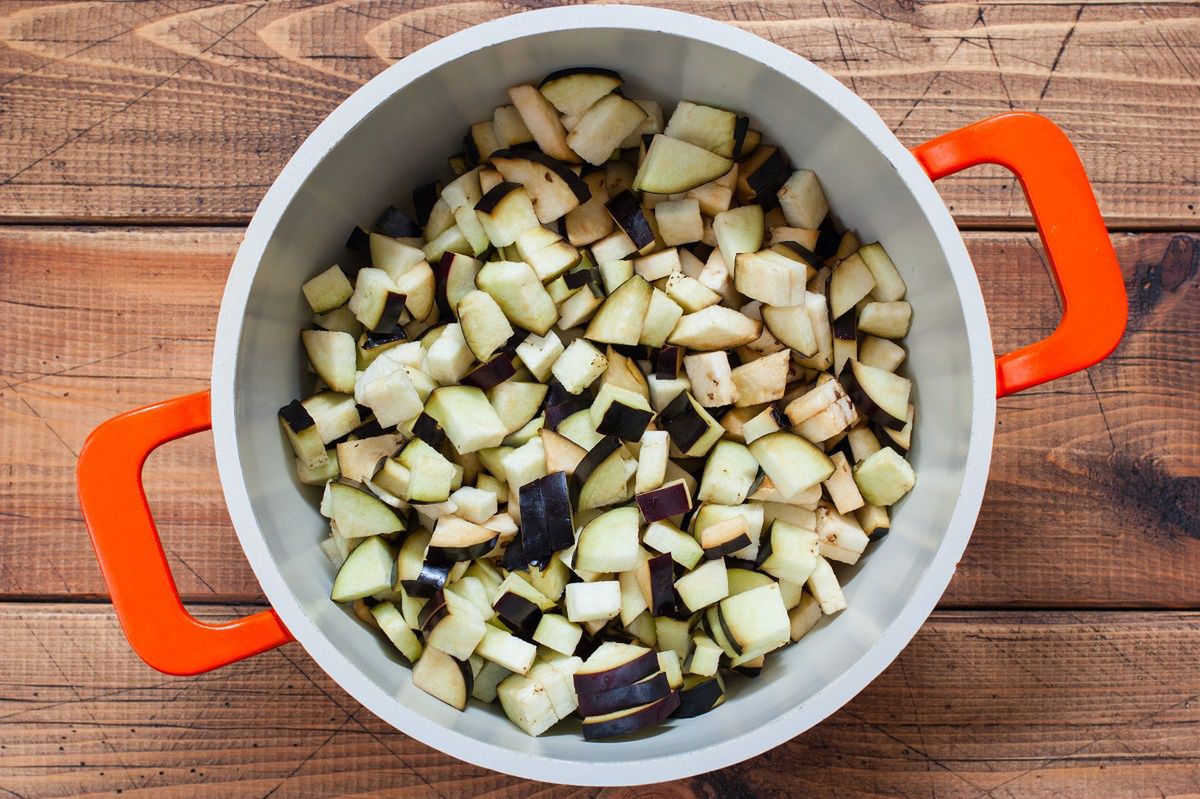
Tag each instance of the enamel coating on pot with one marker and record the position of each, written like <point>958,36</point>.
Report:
<point>396,132</point>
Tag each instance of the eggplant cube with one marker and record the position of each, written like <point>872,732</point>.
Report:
<point>598,601</point>
<point>704,586</point>
<point>579,366</point>
<point>468,418</point>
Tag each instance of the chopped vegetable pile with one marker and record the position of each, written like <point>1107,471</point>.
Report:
<point>595,418</point>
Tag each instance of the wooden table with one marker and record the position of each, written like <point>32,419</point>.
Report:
<point>137,139</point>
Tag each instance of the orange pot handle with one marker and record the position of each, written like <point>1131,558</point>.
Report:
<point>131,555</point>
<point>1077,245</point>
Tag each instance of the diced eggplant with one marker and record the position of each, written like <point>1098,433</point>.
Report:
<point>483,322</point>
<point>328,290</point>
<point>443,677</point>
<point>520,294</point>
<point>762,380</point>
<point>624,722</point>
<point>505,213</point>
<point>360,514</point>
<point>762,174</point>
<point>630,218</point>
<point>692,429</point>
<point>886,319</point>
<point>613,665</point>
<point>729,474</point>
<point>725,537</point>
<point>521,615</point>
<point>542,121</point>
<point>609,543</point>
<point>301,430</point>
<point>672,499</point>
<point>793,463</point>
<point>699,695</point>
<point>490,374</point>
<point>554,189</point>
<point>395,223</point>
<point>645,691</point>
<point>715,328</point>
<point>603,126</point>
<point>558,633</point>
<point>468,418</point>
<point>674,166</point>
<point>772,278</point>
<point>739,230</point>
<point>889,285</point>
<point>665,537</point>
<point>884,477</point>
<point>714,129</point>
<point>755,621</point>
<point>575,89</point>
<point>679,221</point>
<point>598,601</point>
<point>824,586</point>
<point>369,569</point>
<point>803,200</point>
<point>579,366</point>
<point>877,394</point>
<point>456,539</point>
<point>704,585</point>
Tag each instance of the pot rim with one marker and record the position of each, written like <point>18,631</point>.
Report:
<point>338,665</point>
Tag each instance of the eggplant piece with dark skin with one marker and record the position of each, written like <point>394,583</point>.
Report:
<point>631,721</point>
<point>432,577</point>
<point>810,257</point>
<point>699,698</point>
<point>521,615</point>
<point>457,539</point>
<point>424,197</point>
<point>624,422</point>
<point>389,320</point>
<point>630,671</point>
<point>581,277</point>
<point>673,499</point>
<point>668,361</point>
<point>656,577</point>
<point>395,223</point>
<point>534,534</point>
<point>492,373</point>
<point>428,430</point>
<point>643,692</point>
<point>513,558</point>
<point>684,424</point>
<point>556,506</point>
<point>864,403</point>
<point>359,240</point>
<point>561,410</point>
<point>296,416</point>
<point>596,456</point>
<point>828,238</point>
<point>628,215</point>
<point>373,339</point>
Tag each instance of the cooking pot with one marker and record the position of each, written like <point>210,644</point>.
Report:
<point>394,133</point>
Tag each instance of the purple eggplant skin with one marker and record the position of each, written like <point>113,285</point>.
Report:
<point>663,503</point>
<point>592,460</point>
<point>521,615</point>
<point>562,170</point>
<point>489,201</point>
<point>424,197</point>
<point>662,585</point>
<point>740,127</point>
<point>814,260</point>
<point>395,223</point>
<point>470,151</point>
<point>828,239</point>
<point>492,373</point>
<point>764,550</point>
<point>624,422</point>
<point>509,347</point>
<point>579,278</point>
<point>368,429</point>
<point>534,535</point>
<point>389,320</point>
<point>741,541</point>
<point>381,338</point>
<point>699,699</point>
<point>733,642</point>
<point>433,611</point>
<point>774,170</point>
<point>456,554</point>
<point>684,424</point>
<point>624,697</point>
<point>845,327</point>
<point>863,402</point>
<point>623,725</point>
<point>464,668</point>
<point>568,71</point>
<point>558,515</point>
<point>561,410</point>
<point>668,361</point>
<point>296,416</point>
<point>431,579</point>
<point>701,251</point>
<point>428,430</point>
<point>359,240</point>
<point>628,672</point>
<point>513,558</point>
<point>627,213</point>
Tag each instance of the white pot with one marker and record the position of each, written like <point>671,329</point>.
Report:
<point>395,133</point>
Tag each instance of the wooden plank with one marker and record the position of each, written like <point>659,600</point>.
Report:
<point>1094,496</point>
<point>187,110</point>
<point>1006,704</point>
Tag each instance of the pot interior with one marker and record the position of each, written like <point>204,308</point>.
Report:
<point>404,141</point>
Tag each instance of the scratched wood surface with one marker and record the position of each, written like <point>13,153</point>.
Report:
<point>1074,705</point>
<point>1093,478</point>
<point>185,110</point>
<point>1062,662</point>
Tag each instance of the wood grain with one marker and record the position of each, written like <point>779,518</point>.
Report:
<point>1003,705</point>
<point>1094,496</point>
<point>186,111</point>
